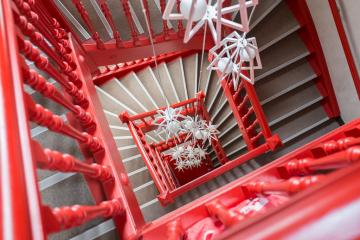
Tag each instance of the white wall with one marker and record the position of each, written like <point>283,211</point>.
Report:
<point>339,71</point>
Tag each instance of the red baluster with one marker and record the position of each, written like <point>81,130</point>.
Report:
<point>218,210</point>
<point>44,117</point>
<point>53,160</point>
<point>291,186</point>
<point>180,23</point>
<point>333,161</point>
<point>42,63</point>
<point>32,17</point>
<point>105,9</point>
<point>85,16</point>
<point>165,26</point>
<point>38,83</point>
<point>220,153</point>
<point>38,39</point>
<point>68,217</point>
<point>126,8</point>
<point>338,145</point>
<point>174,230</point>
<point>147,15</point>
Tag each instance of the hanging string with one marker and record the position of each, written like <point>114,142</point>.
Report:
<point>228,63</point>
<point>154,51</point>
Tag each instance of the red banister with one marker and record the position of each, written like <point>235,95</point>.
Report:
<point>345,44</point>
<point>20,213</point>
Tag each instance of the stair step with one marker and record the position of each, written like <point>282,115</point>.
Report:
<point>281,54</point>
<point>275,26</point>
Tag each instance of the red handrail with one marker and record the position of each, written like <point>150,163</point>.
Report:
<point>345,44</point>
<point>20,213</point>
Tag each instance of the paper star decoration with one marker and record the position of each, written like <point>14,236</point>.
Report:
<point>169,121</point>
<point>236,56</point>
<point>202,12</point>
<point>187,157</point>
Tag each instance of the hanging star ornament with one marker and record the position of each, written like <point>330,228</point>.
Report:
<point>169,121</point>
<point>236,57</point>
<point>199,13</point>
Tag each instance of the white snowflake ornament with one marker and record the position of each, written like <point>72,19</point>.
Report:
<point>212,13</point>
<point>169,121</point>
<point>236,57</point>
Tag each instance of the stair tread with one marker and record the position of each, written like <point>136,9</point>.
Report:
<point>276,24</point>
<point>280,53</point>
<point>290,101</point>
<point>284,79</point>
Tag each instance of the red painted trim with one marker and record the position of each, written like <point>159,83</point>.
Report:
<point>111,55</point>
<point>317,60</point>
<point>234,192</point>
<point>137,65</point>
<point>120,188</point>
<point>20,200</point>
<point>346,45</point>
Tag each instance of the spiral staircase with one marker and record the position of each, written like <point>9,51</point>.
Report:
<point>288,87</point>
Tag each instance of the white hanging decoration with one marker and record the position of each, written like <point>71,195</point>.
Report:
<point>203,12</point>
<point>169,121</point>
<point>188,157</point>
<point>194,128</point>
<point>210,131</point>
<point>235,56</point>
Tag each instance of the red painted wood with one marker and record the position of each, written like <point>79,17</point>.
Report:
<point>126,8</point>
<point>291,186</point>
<point>310,37</point>
<point>105,9</point>
<point>43,63</point>
<point>56,161</point>
<point>46,118</point>
<point>217,209</point>
<point>85,17</point>
<point>120,188</point>
<point>20,213</point>
<point>235,192</point>
<point>38,83</point>
<point>68,217</point>
<point>345,44</point>
<point>336,160</point>
<point>157,162</point>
